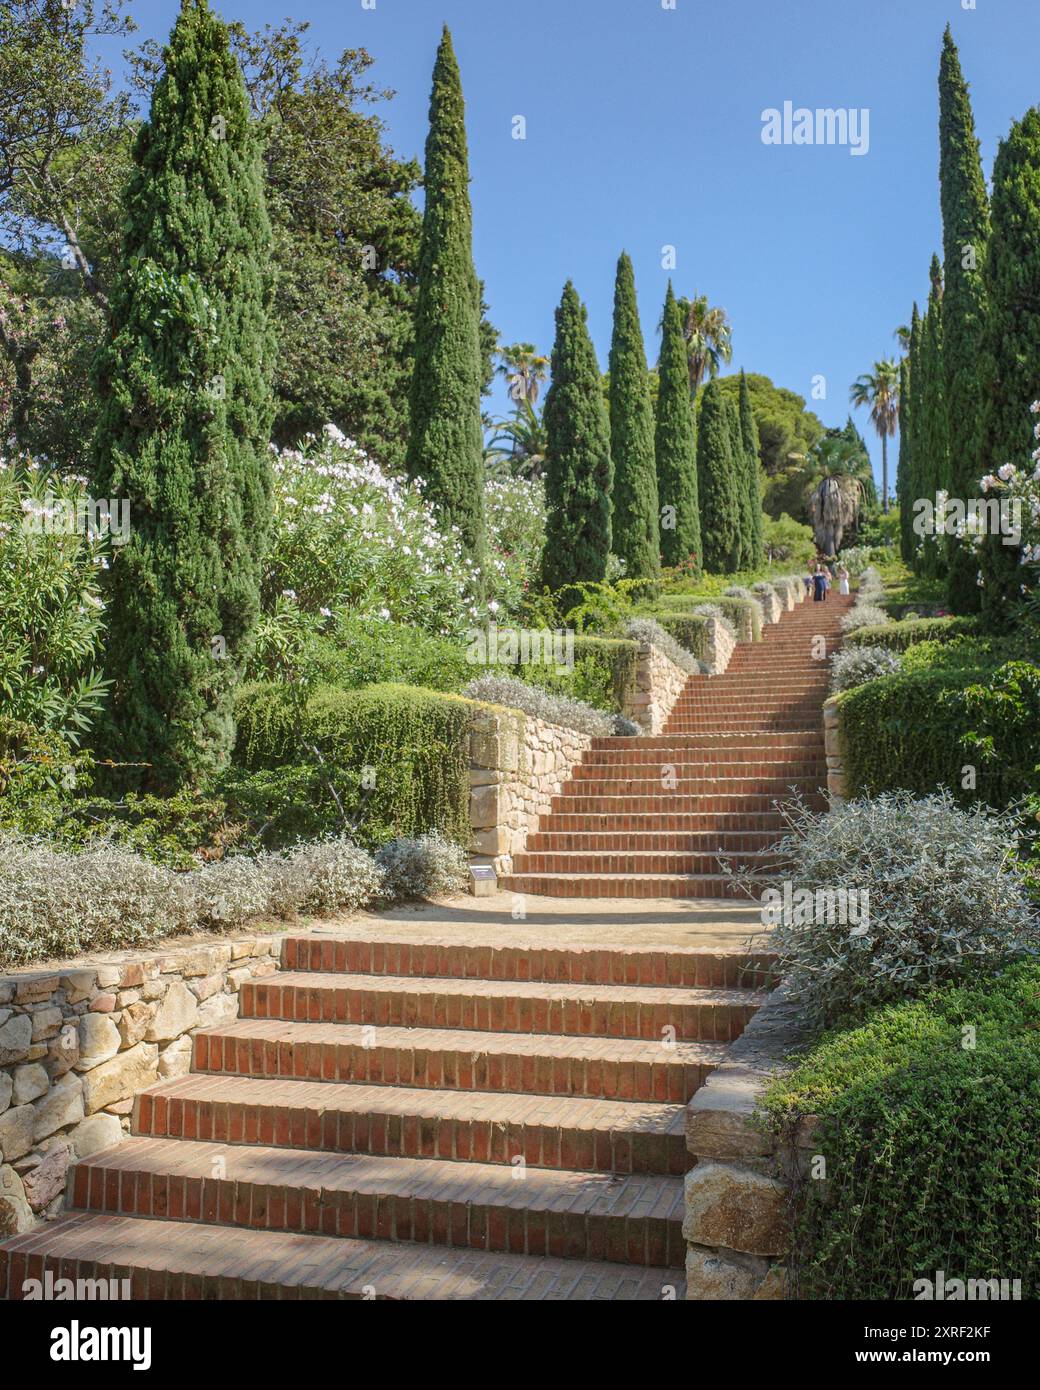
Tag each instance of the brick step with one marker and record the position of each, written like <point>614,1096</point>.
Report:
<point>506,1006</point>
<point>664,841</point>
<point>466,1060</point>
<point>596,963</point>
<point>684,822</point>
<point>651,745</point>
<point>718,766</point>
<point>703,785</point>
<point>640,862</point>
<point>625,886</point>
<point>606,1136</point>
<point>177,1260</point>
<point>627,806</point>
<point>635,1219</point>
<point>705,724</point>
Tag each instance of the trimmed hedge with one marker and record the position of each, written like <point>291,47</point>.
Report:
<point>898,636</point>
<point>389,760</point>
<point>927,1142</point>
<point>744,613</point>
<point>604,672</point>
<point>689,631</point>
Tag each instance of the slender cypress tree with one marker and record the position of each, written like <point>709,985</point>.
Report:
<point>186,408</point>
<point>578,472</point>
<point>742,555</point>
<point>676,445</point>
<point>934,455</point>
<point>717,482</point>
<point>1011,340</point>
<point>965,212</point>
<point>446,443</point>
<point>903,481</point>
<point>635,519</point>
<point>755,556</point>
<point>913,439</point>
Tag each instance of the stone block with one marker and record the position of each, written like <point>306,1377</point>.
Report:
<point>222,1008</point>
<point>30,1082</point>
<point>121,1078</point>
<point>175,1060</point>
<point>48,1179</point>
<point>95,1133</point>
<point>720,1276</point>
<point>15,1038</point>
<point>61,1106</point>
<point>737,1208</point>
<point>178,1012</point>
<point>99,1040</point>
<point>6,1090</point>
<point>15,1214</point>
<point>16,1132</point>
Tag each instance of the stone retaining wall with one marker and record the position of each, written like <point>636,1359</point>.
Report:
<point>834,748</point>
<point>517,765</point>
<point>658,684</point>
<point>772,605</point>
<point>736,1219</point>
<point>78,1041</point>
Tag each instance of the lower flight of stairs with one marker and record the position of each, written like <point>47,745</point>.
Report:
<point>417,1119</point>
<point>661,817</point>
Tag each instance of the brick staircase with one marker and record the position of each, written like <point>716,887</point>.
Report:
<point>417,1119</point>
<point>476,1111</point>
<point>651,817</point>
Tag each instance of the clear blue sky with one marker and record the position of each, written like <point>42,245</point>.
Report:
<point>644,127</point>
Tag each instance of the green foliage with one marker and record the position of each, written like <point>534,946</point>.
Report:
<point>364,652</point>
<point>754,556</point>
<point>185,413</point>
<point>635,524</point>
<point>676,446</point>
<point>965,212</point>
<point>1011,340</point>
<point>932,441</point>
<point>689,630</point>
<point>446,443</point>
<point>384,761</point>
<point>51,612</point>
<point>788,542</point>
<point>910,543</point>
<point>784,427</point>
<point>603,673</point>
<point>578,469</point>
<point>898,636</point>
<point>717,483</point>
<point>923,1138</point>
<point>904,499</point>
<point>744,613</point>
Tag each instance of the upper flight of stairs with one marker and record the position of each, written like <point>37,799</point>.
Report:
<point>653,817</point>
<point>415,1119</point>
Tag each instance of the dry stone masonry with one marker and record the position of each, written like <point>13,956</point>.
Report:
<point>78,1042</point>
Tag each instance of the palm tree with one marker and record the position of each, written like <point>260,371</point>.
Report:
<point>525,436</point>
<point>524,369</point>
<point>841,481</point>
<point>902,337</point>
<point>708,339</point>
<point>880,391</point>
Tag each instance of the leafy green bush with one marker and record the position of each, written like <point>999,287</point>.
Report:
<point>492,689</point>
<point>899,636</point>
<point>938,899</point>
<point>788,542</point>
<point>647,630</point>
<point>380,762</point>
<point>926,1113</point>
<point>363,652</point>
<point>744,613</point>
<point>689,630</point>
<point>603,673</point>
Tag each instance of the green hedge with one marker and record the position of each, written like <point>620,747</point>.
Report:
<point>929,1146</point>
<point>897,637</point>
<point>365,653</point>
<point>745,614</point>
<point>923,729</point>
<point>392,759</point>
<point>689,631</point>
<point>604,672</point>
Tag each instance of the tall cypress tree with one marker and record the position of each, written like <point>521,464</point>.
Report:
<point>913,439</point>
<point>635,518</point>
<point>755,556</point>
<point>578,471</point>
<point>186,408</point>
<point>934,433</point>
<point>446,442</point>
<point>904,499</point>
<point>676,444</point>
<point>1011,340</point>
<point>717,482</point>
<point>965,212</point>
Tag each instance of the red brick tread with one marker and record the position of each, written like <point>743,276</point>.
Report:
<point>538,1063</point>
<point>635,1219</point>
<point>508,1006</point>
<point>402,1121</point>
<point>178,1260</point>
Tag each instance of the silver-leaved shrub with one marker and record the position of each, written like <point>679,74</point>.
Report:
<point>427,866</point>
<point>858,665</point>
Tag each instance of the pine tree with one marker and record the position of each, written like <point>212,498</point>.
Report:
<point>1011,340</point>
<point>965,212</point>
<point>934,453</point>
<point>446,443</point>
<point>676,445</point>
<point>578,471</point>
<point>185,414</point>
<point>717,482</point>
<point>903,482</point>
<point>755,556</point>
<point>635,518</point>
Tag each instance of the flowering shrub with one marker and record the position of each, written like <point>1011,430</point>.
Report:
<point>51,611</point>
<point>515,510</point>
<point>858,665</point>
